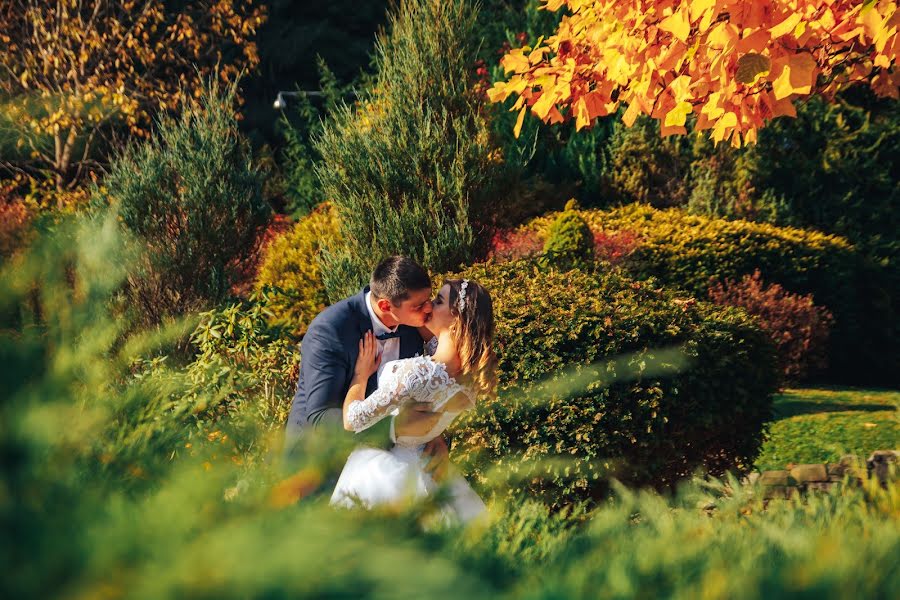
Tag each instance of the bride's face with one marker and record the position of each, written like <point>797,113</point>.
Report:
<point>441,319</point>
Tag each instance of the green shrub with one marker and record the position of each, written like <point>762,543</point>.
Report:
<point>290,271</point>
<point>410,167</point>
<point>630,416</point>
<point>241,362</point>
<point>570,242</point>
<point>690,252</point>
<point>194,200</point>
<point>642,545</point>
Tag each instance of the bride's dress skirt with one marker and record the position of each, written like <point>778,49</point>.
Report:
<point>373,477</point>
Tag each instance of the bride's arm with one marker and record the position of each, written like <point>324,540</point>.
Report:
<point>360,412</point>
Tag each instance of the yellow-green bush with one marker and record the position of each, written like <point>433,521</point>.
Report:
<point>290,269</point>
<point>691,251</point>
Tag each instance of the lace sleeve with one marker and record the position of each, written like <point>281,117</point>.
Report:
<point>417,379</point>
<point>362,414</point>
<point>431,346</point>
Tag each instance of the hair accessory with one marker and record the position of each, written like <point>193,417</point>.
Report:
<point>461,303</point>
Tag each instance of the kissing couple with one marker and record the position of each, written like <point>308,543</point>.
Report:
<point>394,351</point>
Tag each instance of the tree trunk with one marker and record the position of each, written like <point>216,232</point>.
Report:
<point>63,160</point>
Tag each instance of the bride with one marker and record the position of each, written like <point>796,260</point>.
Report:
<point>459,366</point>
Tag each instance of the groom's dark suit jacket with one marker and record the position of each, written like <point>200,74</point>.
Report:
<point>328,357</point>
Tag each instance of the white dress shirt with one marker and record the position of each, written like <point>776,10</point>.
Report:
<point>388,349</point>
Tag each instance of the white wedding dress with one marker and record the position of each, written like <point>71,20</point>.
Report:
<point>374,476</point>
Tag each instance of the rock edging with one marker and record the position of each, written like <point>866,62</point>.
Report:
<point>819,477</point>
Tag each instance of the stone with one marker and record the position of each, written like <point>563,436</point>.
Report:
<point>879,464</point>
<point>782,492</point>
<point>808,473</point>
<point>849,460</point>
<point>751,478</point>
<point>776,478</point>
<point>819,486</point>
<point>836,471</point>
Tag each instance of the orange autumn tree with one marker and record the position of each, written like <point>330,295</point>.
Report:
<point>72,72</point>
<point>732,64</point>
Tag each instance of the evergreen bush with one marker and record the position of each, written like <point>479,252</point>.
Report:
<point>601,376</point>
<point>570,242</point>
<point>410,167</point>
<point>832,168</point>
<point>194,200</point>
<point>301,186</point>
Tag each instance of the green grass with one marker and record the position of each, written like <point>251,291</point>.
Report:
<point>820,425</point>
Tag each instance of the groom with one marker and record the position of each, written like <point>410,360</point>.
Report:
<point>393,305</point>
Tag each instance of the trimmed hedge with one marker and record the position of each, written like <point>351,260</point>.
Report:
<point>290,269</point>
<point>692,252</point>
<point>646,427</point>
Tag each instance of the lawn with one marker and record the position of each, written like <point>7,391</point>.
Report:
<point>816,425</point>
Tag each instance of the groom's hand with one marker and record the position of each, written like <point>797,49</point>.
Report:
<point>440,458</point>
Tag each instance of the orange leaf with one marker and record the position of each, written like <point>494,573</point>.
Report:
<point>784,108</point>
<point>786,26</point>
<point>595,104</point>
<point>667,130</point>
<point>582,119</point>
<point>678,115</point>
<point>515,61</point>
<point>555,116</point>
<point>631,114</point>
<point>677,24</point>
<point>797,77</point>
<point>755,42</point>
<point>518,128</point>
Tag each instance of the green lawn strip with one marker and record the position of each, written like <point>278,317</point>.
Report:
<point>821,425</point>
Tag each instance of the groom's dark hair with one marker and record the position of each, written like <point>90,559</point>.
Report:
<point>396,276</point>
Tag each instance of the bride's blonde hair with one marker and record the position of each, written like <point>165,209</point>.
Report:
<point>473,331</point>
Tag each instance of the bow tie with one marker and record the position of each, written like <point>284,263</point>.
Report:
<point>387,335</point>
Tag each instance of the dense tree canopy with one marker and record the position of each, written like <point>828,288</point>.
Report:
<point>731,63</point>
<point>69,70</point>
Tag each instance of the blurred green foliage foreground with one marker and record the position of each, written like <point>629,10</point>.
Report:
<point>115,485</point>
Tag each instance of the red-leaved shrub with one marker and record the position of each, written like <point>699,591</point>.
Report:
<point>615,246</point>
<point>247,267</point>
<point>15,219</point>
<point>798,327</point>
<point>512,244</point>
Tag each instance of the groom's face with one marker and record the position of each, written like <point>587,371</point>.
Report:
<point>415,310</point>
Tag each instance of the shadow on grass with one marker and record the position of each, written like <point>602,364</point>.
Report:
<point>791,408</point>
